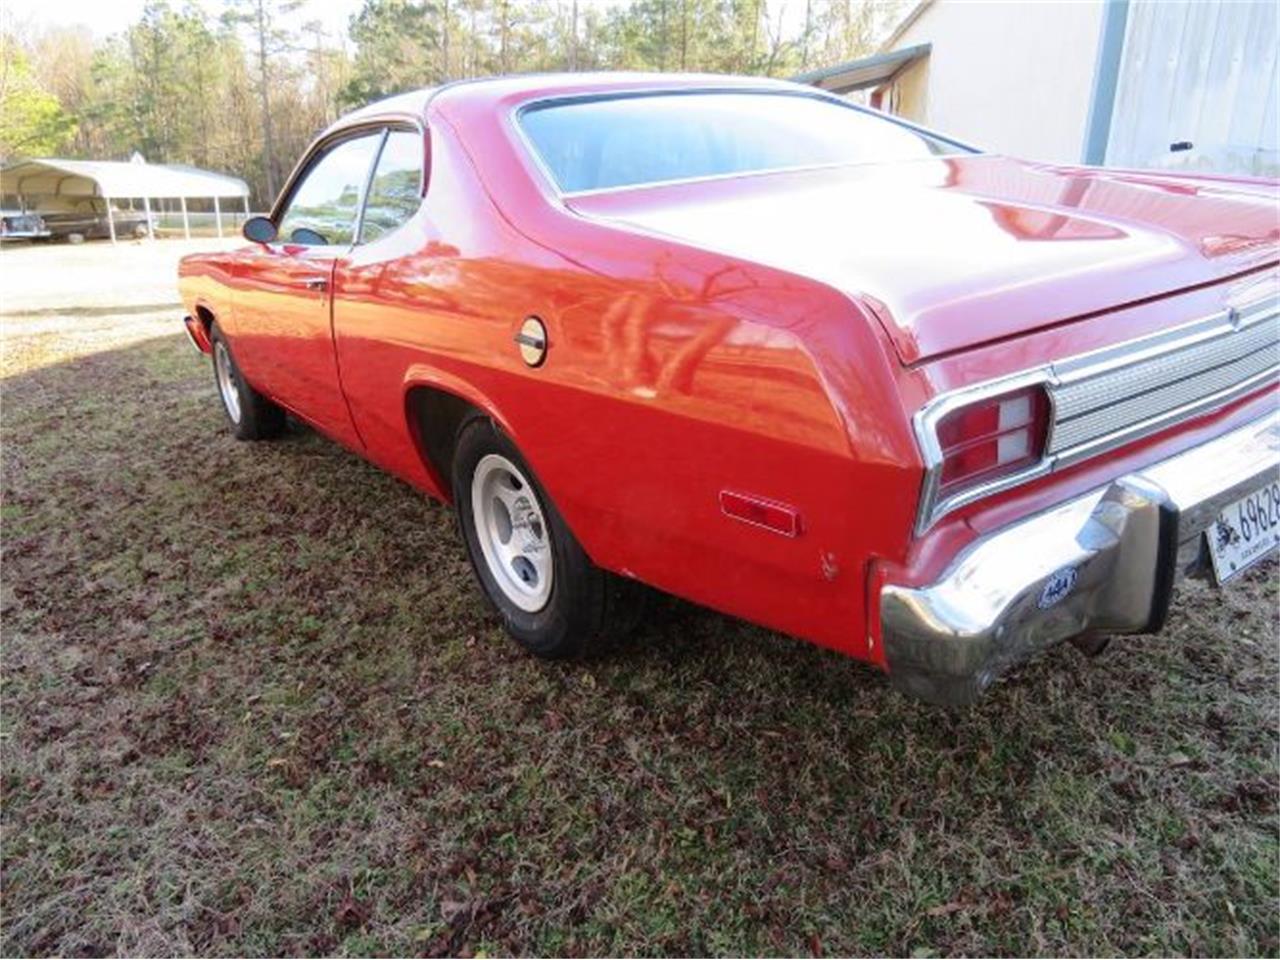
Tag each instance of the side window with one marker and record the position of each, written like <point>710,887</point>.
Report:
<point>323,208</point>
<point>396,190</point>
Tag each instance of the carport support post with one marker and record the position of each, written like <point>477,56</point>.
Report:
<point>217,216</point>
<point>186,224</point>
<point>146,206</point>
<point>111,219</point>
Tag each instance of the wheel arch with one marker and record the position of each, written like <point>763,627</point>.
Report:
<point>436,405</point>
<point>204,313</point>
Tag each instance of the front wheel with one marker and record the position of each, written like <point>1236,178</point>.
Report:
<point>553,600</point>
<point>252,416</point>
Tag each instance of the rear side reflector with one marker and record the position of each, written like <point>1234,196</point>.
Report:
<point>777,517</point>
<point>992,437</point>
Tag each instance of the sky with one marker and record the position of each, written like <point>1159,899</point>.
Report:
<point>105,17</point>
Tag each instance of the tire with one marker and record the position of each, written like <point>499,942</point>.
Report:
<point>552,599</point>
<point>251,415</point>
<point>75,238</point>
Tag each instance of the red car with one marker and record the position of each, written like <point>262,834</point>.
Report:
<point>774,353</point>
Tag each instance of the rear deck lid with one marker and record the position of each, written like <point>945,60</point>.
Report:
<point>954,252</point>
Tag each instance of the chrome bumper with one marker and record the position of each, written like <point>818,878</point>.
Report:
<point>190,325</point>
<point>1104,562</point>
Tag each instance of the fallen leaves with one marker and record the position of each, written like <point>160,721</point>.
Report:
<point>711,789</point>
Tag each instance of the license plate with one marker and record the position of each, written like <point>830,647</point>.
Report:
<point>1245,532</point>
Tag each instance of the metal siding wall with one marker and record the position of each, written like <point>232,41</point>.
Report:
<point>1200,71</point>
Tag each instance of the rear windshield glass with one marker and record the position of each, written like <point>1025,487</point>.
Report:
<point>629,140</point>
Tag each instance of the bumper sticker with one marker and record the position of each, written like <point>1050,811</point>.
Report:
<point>1058,587</point>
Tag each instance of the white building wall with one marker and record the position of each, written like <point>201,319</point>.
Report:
<point>1205,74</point>
<point>1011,78</point>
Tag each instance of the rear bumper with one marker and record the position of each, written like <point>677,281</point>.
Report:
<point>197,335</point>
<point>1104,562</point>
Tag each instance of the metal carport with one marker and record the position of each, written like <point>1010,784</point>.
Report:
<point>112,180</point>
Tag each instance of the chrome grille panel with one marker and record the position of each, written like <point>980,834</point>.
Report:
<point>1113,402</point>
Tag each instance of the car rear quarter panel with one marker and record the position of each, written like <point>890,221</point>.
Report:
<point>672,375</point>
<point>205,282</point>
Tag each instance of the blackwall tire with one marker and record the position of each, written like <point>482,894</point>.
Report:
<point>552,599</point>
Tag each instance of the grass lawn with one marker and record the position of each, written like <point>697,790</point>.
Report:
<point>252,703</point>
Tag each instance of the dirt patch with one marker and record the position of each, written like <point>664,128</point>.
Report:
<point>253,704</point>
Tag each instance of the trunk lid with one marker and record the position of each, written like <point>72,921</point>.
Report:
<point>955,252</point>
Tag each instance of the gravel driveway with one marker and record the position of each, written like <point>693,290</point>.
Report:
<point>80,278</point>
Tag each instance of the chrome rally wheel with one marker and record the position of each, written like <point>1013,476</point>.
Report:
<point>513,532</point>
<point>227,386</point>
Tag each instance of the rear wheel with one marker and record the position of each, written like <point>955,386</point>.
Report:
<point>252,416</point>
<point>553,600</point>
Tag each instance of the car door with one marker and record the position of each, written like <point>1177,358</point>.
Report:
<point>382,297</point>
<point>283,308</point>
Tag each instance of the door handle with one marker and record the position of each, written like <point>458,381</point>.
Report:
<point>316,283</point>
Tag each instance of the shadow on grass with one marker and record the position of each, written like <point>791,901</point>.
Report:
<point>253,703</point>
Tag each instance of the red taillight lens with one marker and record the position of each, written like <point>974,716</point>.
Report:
<point>992,437</point>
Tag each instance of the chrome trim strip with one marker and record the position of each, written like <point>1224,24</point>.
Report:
<point>1074,370</point>
<point>1182,336</point>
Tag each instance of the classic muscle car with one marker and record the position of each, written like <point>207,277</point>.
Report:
<point>86,218</point>
<point>774,353</point>
<point>20,225</point>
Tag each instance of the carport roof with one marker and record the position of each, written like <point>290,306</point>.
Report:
<point>107,178</point>
<point>867,72</point>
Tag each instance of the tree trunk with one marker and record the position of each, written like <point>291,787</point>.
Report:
<point>755,39</point>
<point>444,44</point>
<point>804,39</point>
<point>573,38</point>
<point>475,43</point>
<point>684,35</point>
<point>268,161</point>
<point>662,48</point>
<point>505,28</point>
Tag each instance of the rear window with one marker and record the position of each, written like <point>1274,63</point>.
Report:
<point>629,140</point>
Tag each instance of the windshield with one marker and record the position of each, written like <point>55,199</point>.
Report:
<point>628,140</point>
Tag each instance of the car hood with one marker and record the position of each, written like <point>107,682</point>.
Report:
<point>959,251</point>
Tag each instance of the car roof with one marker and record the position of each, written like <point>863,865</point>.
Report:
<point>535,86</point>
<point>410,104</point>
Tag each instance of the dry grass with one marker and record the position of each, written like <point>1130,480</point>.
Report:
<point>253,704</point>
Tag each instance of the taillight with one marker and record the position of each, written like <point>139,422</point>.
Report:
<point>991,438</point>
